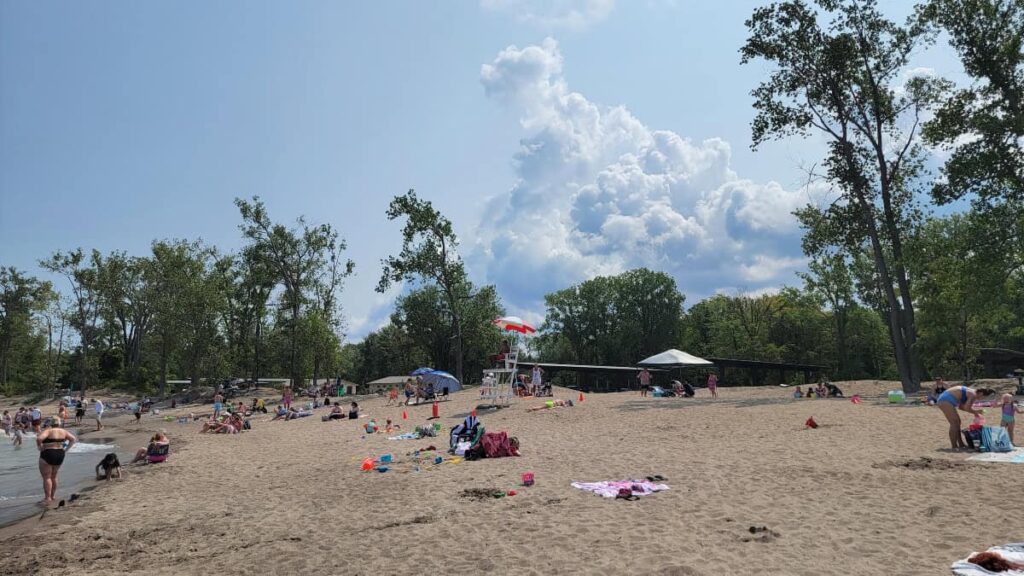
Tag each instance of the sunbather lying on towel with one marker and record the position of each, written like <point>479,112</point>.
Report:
<point>551,404</point>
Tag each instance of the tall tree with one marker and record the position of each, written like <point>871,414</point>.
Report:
<point>837,72</point>
<point>828,278</point>
<point>295,255</point>
<point>82,273</point>
<point>21,296</point>
<point>127,305</point>
<point>983,124</point>
<point>429,255</point>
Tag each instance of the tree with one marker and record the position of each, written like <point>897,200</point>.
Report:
<point>82,273</point>
<point>21,297</point>
<point>841,81</point>
<point>126,303</point>
<point>983,125</point>
<point>828,278</point>
<point>428,255</point>
<point>295,255</point>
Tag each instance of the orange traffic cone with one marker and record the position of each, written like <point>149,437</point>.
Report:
<point>581,396</point>
<point>404,415</point>
<point>435,411</point>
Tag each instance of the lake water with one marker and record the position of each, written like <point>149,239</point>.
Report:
<point>21,487</point>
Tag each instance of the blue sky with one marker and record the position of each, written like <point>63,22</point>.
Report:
<point>564,138</point>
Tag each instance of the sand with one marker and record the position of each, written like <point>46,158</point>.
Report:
<point>874,490</point>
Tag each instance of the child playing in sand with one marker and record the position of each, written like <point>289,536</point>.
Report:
<point>798,393</point>
<point>371,427</point>
<point>389,427</point>
<point>1009,409</point>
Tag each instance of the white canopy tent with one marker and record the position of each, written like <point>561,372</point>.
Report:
<point>673,358</point>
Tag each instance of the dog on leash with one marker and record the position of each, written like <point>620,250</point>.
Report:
<point>111,467</point>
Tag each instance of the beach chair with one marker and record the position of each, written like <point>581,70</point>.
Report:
<point>470,430</point>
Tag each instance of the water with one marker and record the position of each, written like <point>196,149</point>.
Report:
<point>21,487</point>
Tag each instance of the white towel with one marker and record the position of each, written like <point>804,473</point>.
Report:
<point>1012,552</point>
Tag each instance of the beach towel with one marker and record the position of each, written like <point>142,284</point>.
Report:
<point>1012,552</point>
<point>497,445</point>
<point>610,489</point>
<point>406,436</point>
<point>1015,456</point>
<point>995,440</point>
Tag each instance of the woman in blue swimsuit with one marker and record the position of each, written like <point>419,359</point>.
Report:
<point>959,398</point>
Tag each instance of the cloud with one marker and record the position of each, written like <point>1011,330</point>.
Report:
<point>574,14</point>
<point>599,192</point>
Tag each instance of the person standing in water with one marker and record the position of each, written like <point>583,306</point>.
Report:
<point>959,398</point>
<point>52,448</point>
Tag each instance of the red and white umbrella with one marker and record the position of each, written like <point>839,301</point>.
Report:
<point>514,324</point>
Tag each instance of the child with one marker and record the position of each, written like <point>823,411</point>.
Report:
<point>371,426</point>
<point>798,393</point>
<point>388,426</point>
<point>1009,409</point>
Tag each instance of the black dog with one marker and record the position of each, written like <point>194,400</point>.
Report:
<point>111,467</point>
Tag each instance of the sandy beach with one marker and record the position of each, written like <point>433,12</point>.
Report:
<point>874,490</point>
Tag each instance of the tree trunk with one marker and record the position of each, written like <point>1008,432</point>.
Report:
<point>293,368</point>
<point>163,367</point>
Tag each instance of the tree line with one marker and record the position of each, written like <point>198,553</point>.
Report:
<point>911,270</point>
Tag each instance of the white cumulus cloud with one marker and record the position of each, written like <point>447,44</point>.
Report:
<point>599,192</point>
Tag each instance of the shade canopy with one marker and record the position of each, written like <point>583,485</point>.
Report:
<point>674,359</point>
<point>421,371</point>
<point>441,379</point>
<point>514,324</point>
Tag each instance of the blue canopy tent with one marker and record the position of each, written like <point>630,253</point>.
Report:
<point>421,371</point>
<point>441,380</point>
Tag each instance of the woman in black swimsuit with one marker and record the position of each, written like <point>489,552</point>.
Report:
<point>51,455</point>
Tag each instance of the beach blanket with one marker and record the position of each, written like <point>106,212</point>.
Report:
<point>497,445</point>
<point>610,489</point>
<point>406,436</point>
<point>1015,456</point>
<point>1012,552</point>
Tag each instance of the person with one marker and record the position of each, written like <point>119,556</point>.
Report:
<point>37,419</point>
<point>258,405</point>
<point>218,404</point>
<point>833,390</point>
<point>822,391</point>
<point>16,441</point>
<point>371,427</point>
<point>279,413</point>
<point>79,411</point>
<point>99,408</point>
<point>551,404</point>
<point>388,426</point>
<point>353,411</point>
<point>392,397</point>
<point>240,409</point>
<point>6,422</point>
<point>155,444</point>
<point>536,379</point>
<point>138,412</point>
<point>52,448</point>
<point>336,413</point>
<point>1009,409</point>
<point>713,384</point>
<point>798,393</point>
<point>499,358</point>
<point>62,412</point>
<point>959,398</point>
<point>645,381</point>
<point>409,390</point>
<point>286,397</point>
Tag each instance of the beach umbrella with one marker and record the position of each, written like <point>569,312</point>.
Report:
<point>514,324</point>
<point>421,371</point>
<point>441,379</point>
<point>673,358</point>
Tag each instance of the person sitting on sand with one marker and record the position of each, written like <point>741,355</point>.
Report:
<point>336,413</point>
<point>833,390</point>
<point>371,427</point>
<point>959,398</point>
<point>279,413</point>
<point>798,393</point>
<point>155,443</point>
<point>210,425</point>
<point>821,391</point>
<point>551,404</point>
<point>353,411</point>
<point>389,427</point>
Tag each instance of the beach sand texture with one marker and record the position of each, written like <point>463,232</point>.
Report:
<point>855,496</point>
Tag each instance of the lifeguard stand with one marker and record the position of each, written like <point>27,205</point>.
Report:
<point>500,389</point>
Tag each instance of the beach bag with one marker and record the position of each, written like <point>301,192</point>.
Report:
<point>995,440</point>
<point>972,438</point>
